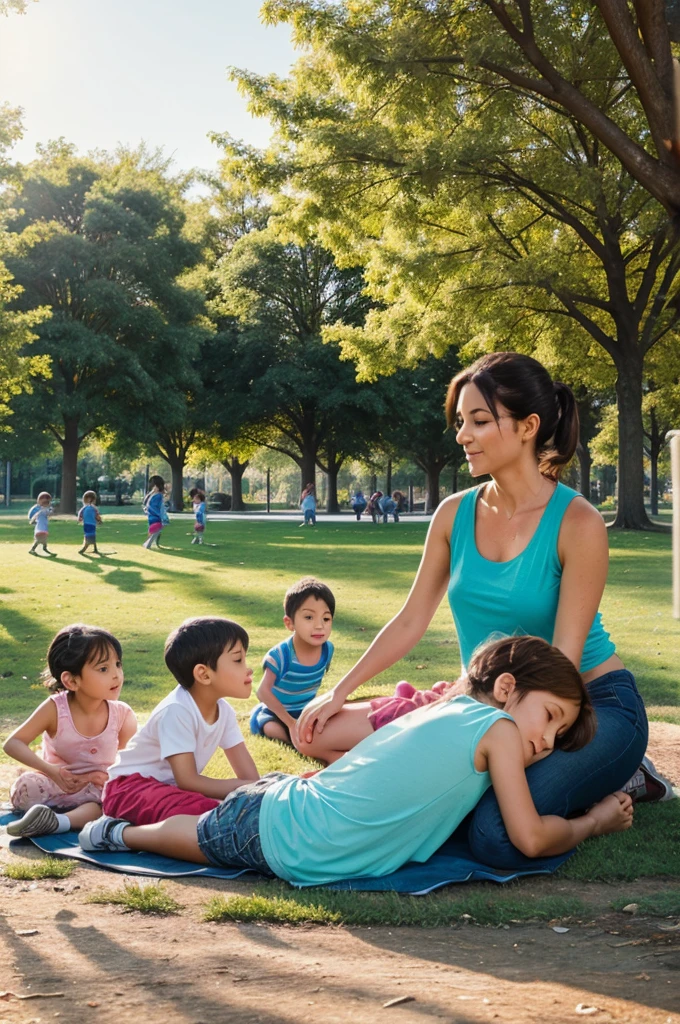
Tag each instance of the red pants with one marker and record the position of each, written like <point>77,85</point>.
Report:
<point>144,801</point>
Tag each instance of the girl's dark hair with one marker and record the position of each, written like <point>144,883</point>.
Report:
<point>196,492</point>
<point>73,648</point>
<point>523,386</point>
<point>157,481</point>
<point>536,665</point>
<point>308,586</point>
<point>201,641</point>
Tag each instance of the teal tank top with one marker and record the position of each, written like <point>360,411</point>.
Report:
<point>396,796</point>
<point>517,597</point>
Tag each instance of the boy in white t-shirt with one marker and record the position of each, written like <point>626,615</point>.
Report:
<point>159,772</point>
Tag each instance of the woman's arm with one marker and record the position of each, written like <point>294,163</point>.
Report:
<point>400,634</point>
<point>583,549</point>
<point>43,719</point>
<point>533,834</point>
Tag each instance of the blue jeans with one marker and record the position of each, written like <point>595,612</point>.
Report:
<point>310,516</point>
<point>229,835</point>
<point>567,783</point>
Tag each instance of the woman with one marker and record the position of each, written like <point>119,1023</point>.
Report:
<point>519,554</point>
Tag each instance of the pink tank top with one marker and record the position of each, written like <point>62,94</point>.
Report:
<point>81,753</point>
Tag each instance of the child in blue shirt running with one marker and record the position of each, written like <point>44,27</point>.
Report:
<point>198,502</point>
<point>89,517</point>
<point>308,505</point>
<point>39,516</point>
<point>294,669</point>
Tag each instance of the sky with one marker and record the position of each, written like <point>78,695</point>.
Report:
<point>102,72</point>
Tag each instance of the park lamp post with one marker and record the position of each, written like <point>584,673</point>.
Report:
<point>674,437</point>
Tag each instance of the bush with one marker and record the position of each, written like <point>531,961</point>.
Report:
<point>220,502</point>
<point>45,483</point>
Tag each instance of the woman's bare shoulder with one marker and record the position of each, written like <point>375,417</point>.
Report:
<point>582,526</point>
<point>445,513</point>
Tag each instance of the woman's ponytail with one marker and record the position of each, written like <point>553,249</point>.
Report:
<point>565,437</point>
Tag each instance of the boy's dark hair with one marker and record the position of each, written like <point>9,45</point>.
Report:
<point>308,586</point>
<point>73,648</point>
<point>157,481</point>
<point>90,496</point>
<point>536,665</point>
<point>201,641</point>
<point>196,492</point>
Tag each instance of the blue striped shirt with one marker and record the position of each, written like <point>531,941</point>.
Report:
<point>295,684</point>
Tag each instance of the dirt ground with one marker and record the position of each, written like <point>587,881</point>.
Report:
<point>77,961</point>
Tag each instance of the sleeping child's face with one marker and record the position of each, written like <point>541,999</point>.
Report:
<point>541,718</point>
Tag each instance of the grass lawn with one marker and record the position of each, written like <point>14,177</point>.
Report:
<point>243,572</point>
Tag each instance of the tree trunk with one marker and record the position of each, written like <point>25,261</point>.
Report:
<point>307,464</point>
<point>454,479</point>
<point>433,471</point>
<point>654,449</point>
<point>388,477</point>
<point>332,503</point>
<point>69,466</point>
<point>631,513</point>
<point>584,463</point>
<point>176,462</point>
<point>236,469</point>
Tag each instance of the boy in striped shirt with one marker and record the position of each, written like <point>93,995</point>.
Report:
<point>294,669</point>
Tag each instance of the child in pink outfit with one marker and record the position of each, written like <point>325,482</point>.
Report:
<point>83,725</point>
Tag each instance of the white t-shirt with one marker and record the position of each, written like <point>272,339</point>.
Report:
<point>176,726</point>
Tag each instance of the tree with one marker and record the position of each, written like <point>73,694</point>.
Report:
<point>100,243</point>
<point>499,169</point>
<point>416,427</point>
<point>282,295</point>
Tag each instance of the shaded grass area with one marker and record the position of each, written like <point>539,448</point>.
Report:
<point>147,899</point>
<point>658,904</point>
<point>276,903</point>
<point>42,867</point>
<point>650,847</point>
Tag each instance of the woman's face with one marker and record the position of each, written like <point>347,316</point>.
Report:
<point>489,445</point>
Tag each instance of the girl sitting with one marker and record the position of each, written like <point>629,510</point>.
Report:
<point>83,725</point>
<point>402,791</point>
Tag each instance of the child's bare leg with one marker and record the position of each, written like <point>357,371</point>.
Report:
<point>276,731</point>
<point>174,837</point>
<point>80,816</point>
<point>342,732</point>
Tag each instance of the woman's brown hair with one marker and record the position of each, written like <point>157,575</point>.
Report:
<point>523,386</point>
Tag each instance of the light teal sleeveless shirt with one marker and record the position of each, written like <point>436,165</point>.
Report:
<point>396,796</point>
<point>515,597</point>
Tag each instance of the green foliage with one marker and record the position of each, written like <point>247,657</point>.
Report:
<point>147,899</point>
<point>44,867</point>
<point>651,847</point>
<point>100,242</point>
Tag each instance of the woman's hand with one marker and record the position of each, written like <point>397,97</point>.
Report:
<point>316,714</point>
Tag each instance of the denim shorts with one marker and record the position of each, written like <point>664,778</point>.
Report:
<point>261,714</point>
<point>229,835</point>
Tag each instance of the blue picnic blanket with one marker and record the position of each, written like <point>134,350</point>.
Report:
<point>453,862</point>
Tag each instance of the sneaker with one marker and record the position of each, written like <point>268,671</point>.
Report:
<point>39,820</point>
<point>648,785</point>
<point>104,835</point>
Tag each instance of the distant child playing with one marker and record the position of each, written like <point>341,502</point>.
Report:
<point>39,515</point>
<point>401,792</point>
<point>82,724</point>
<point>159,773</point>
<point>294,669</point>
<point>198,500</point>
<point>89,517</point>
<point>308,505</point>
<point>155,511</point>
